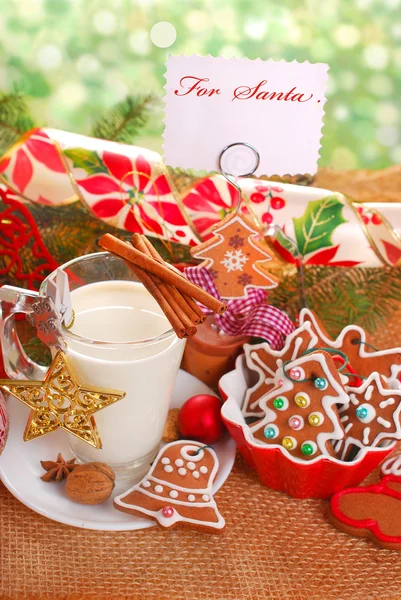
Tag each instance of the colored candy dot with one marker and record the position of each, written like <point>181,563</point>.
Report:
<point>314,420</point>
<point>167,511</point>
<point>280,382</point>
<point>301,401</point>
<point>307,449</point>
<point>287,443</point>
<point>361,412</point>
<point>269,432</point>
<point>320,383</point>
<point>278,403</point>
<point>295,423</point>
<point>295,374</point>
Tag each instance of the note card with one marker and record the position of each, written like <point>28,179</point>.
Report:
<point>277,107</point>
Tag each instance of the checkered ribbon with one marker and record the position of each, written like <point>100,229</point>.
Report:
<point>246,316</point>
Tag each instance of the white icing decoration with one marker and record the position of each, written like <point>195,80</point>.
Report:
<point>179,462</point>
<point>384,422</point>
<point>368,393</point>
<point>168,522</point>
<point>158,489</point>
<point>203,469</point>
<point>205,498</point>
<point>365,438</point>
<point>173,494</point>
<point>348,427</point>
<point>192,453</point>
<point>191,498</point>
<point>146,484</point>
<point>344,418</point>
<point>182,471</point>
<point>191,466</point>
<point>392,466</point>
<point>354,399</point>
<point>168,469</point>
<point>371,413</point>
<point>385,403</point>
<point>196,474</point>
<point>165,460</point>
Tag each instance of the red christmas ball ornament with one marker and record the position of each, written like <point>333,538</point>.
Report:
<point>200,419</point>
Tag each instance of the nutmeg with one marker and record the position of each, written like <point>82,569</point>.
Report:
<point>90,483</point>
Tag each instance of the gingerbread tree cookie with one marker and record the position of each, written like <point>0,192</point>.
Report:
<point>177,489</point>
<point>236,258</point>
<point>265,361</point>
<point>301,414</point>
<point>373,415</point>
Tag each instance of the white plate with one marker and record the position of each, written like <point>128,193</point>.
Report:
<point>20,469</point>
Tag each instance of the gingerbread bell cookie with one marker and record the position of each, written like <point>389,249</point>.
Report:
<point>266,362</point>
<point>372,512</point>
<point>301,414</point>
<point>177,489</point>
<point>372,416</point>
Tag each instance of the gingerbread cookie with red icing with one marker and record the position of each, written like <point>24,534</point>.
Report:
<point>372,416</point>
<point>265,361</point>
<point>353,342</point>
<point>178,489</point>
<point>301,415</point>
<point>372,512</point>
<point>236,258</point>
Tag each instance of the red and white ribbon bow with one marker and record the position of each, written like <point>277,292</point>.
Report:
<point>246,316</point>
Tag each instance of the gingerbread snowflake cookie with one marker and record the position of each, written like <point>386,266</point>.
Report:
<point>372,416</point>
<point>353,342</point>
<point>301,414</point>
<point>266,362</point>
<point>177,489</point>
<point>236,258</point>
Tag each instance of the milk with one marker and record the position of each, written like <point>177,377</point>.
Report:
<point>125,316</point>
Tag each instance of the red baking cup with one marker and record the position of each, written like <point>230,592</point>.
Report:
<point>318,478</point>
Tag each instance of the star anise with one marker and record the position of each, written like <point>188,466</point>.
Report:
<point>57,470</point>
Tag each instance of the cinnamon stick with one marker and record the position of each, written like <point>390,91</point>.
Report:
<point>194,312</point>
<point>166,291</point>
<point>167,275</point>
<point>155,291</point>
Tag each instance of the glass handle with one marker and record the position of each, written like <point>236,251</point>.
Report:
<point>17,364</point>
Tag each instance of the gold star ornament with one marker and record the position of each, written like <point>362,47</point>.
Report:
<point>59,401</point>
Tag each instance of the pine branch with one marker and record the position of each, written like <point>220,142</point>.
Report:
<point>125,120</point>
<point>15,119</point>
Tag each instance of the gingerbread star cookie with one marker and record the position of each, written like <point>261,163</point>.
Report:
<point>265,361</point>
<point>177,489</point>
<point>372,416</point>
<point>301,414</point>
<point>372,512</point>
<point>236,258</point>
<point>352,341</point>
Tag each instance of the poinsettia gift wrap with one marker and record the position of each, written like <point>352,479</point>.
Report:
<point>125,186</point>
<point>328,228</point>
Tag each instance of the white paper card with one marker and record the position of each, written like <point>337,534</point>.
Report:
<point>277,107</point>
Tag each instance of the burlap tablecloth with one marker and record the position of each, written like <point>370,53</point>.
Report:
<point>273,548</point>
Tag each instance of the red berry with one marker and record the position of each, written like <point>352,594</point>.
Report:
<point>276,202</point>
<point>257,198</point>
<point>276,189</point>
<point>365,219</point>
<point>180,233</point>
<point>376,220</point>
<point>262,188</point>
<point>200,419</point>
<point>267,218</point>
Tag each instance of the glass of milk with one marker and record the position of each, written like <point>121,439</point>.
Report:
<point>120,339</point>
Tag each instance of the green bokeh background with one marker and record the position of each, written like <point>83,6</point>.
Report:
<point>75,58</point>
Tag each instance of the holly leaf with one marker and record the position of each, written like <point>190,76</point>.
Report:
<point>87,160</point>
<point>314,229</point>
